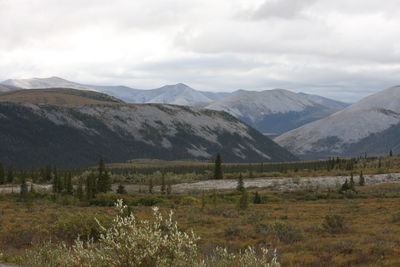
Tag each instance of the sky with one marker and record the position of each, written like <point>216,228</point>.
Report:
<point>340,49</point>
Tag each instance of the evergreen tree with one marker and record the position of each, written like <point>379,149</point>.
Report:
<point>23,189</point>
<point>218,167</point>
<point>10,175</point>
<point>163,189</point>
<point>32,189</point>
<point>2,174</point>
<point>391,153</point>
<point>103,179</point>
<point>257,198</point>
<point>121,189</point>
<point>345,187</point>
<point>56,182</point>
<point>69,189</point>
<point>151,186</point>
<point>91,186</point>
<point>362,179</point>
<point>79,190</point>
<point>169,188</point>
<point>243,201</point>
<point>240,183</point>
<point>352,184</point>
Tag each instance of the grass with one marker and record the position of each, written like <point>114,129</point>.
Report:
<point>288,221</point>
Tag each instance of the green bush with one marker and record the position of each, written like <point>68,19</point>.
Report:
<point>287,233</point>
<point>335,224</point>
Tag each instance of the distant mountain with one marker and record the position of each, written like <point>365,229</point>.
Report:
<point>326,102</point>
<point>7,88</point>
<point>58,96</point>
<point>370,126</point>
<point>39,83</point>
<point>68,135</point>
<point>273,111</point>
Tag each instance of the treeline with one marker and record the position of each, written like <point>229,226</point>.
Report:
<point>335,163</point>
<point>9,175</point>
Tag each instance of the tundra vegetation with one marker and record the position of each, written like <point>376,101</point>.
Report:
<point>75,220</point>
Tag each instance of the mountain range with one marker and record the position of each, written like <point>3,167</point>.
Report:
<point>370,126</point>
<point>269,111</point>
<point>73,128</point>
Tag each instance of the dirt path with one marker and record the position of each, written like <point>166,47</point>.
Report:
<point>286,184</point>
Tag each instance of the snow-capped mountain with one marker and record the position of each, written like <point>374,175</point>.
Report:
<point>40,83</point>
<point>272,111</point>
<point>370,126</point>
<point>99,126</point>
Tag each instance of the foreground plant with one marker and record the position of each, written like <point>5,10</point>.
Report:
<point>129,242</point>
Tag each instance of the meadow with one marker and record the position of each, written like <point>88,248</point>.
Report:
<point>308,227</point>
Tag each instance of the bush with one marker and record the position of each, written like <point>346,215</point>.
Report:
<point>396,218</point>
<point>287,233</point>
<point>335,224</point>
<point>147,201</point>
<point>129,242</point>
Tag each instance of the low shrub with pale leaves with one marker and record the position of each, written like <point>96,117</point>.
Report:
<point>130,242</point>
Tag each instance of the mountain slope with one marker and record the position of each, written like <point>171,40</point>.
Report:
<point>73,136</point>
<point>57,96</point>
<point>273,111</point>
<point>326,102</point>
<point>52,82</point>
<point>363,127</point>
<point>178,94</point>
<point>7,88</point>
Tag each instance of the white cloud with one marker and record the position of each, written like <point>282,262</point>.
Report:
<point>342,49</point>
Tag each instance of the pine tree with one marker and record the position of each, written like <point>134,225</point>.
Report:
<point>32,190</point>
<point>163,184</point>
<point>240,184</point>
<point>23,189</point>
<point>79,190</point>
<point>56,182</point>
<point>345,187</point>
<point>362,179</point>
<point>151,186</point>
<point>352,184</point>
<point>91,186</point>
<point>69,189</point>
<point>257,198</point>
<point>121,189</point>
<point>103,179</point>
<point>10,175</point>
<point>243,201</point>
<point>169,188</point>
<point>218,167</point>
<point>2,174</point>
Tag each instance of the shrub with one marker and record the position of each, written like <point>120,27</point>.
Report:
<point>335,224</point>
<point>129,242</point>
<point>287,233</point>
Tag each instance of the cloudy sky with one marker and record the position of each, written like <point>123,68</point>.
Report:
<point>341,49</point>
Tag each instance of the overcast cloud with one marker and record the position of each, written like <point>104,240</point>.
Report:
<point>341,49</point>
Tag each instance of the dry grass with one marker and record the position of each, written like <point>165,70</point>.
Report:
<point>293,226</point>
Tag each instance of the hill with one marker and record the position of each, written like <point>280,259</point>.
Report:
<point>273,111</point>
<point>369,126</point>
<point>57,96</point>
<point>78,135</point>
